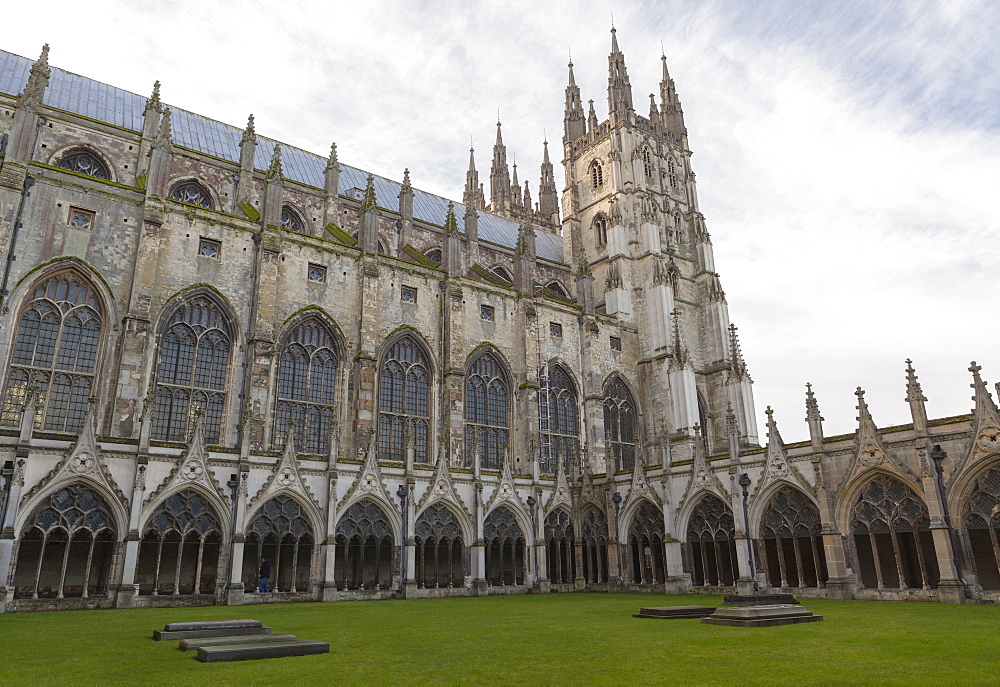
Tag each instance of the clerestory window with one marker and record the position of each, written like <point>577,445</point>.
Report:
<point>404,407</point>
<point>486,416</point>
<point>83,161</point>
<point>307,385</point>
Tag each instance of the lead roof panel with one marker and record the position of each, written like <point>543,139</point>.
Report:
<point>83,96</point>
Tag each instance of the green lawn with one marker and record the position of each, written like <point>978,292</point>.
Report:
<point>548,639</point>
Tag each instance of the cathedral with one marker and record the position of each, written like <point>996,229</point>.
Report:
<point>216,349</point>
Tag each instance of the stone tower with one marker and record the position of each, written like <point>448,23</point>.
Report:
<point>631,218</point>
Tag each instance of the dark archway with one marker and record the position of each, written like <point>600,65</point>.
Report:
<point>791,545</point>
<point>365,547</point>
<point>646,544</point>
<point>505,547</point>
<point>280,532</point>
<point>559,546</point>
<point>440,560</point>
<point>711,544</point>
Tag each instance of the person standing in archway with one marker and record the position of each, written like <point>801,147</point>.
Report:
<point>265,575</point>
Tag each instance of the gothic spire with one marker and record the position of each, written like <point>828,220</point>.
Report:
<point>38,81</point>
<point>915,397</point>
<point>813,418</point>
<point>471,182</point>
<point>591,118</point>
<point>619,88</point>
<point>548,198</point>
<point>450,222</point>
<point>573,122</point>
<point>499,176</point>
<point>526,197</point>
<point>737,364</point>
<point>671,113</point>
<point>153,104</point>
<point>164,135</point>
<point>274,171</point>
<point>515,187</point>
<point>331,162</point>
<point>249,134</point>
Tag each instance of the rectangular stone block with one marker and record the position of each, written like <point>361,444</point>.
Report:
<point>213,625</point>
<point>192,644</point>
<point>163,635</point>
<point>247,652</point>
<point>761,616</point>
<point>668,612</point>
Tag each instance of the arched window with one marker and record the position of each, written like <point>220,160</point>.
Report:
<point>440,549</point>
<point>595,545</point>
<point>559,546</point>
<point>596,174</point>
<point>55,354</point>
<point>434,254</point>
<point>291,220</point>
<point>646,544</point>
<point>557,290</point>
<point>191,369</point>
<point>892,537</point>
<point>647,163</point>
<point>504,548</point>
<point>620,426</point>
<point>711,544</point>
<point>83,161</point>
<point>557,413</point>
<point>404,410</point>
<point>501,272</point>
<point>281,533</point>
<point>307,385</point>
<point>364,547</point>
<point>791,548</point>
<point>67,546</point>
<point>192,193</point>
<point>982,526</point>
<point>181,548</point>
<point>486,416</point>
<point>671,173</point>
<point>601,230</point>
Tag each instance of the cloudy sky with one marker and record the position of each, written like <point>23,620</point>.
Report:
<point>847,153</point>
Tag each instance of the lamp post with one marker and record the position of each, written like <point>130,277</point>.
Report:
<point>402,493</point>
<point>745,484</point>
<point>617,500</point>
<point>938,455</point>
<point>7,473</point>
<point>532,502</point>
<point>234,485</point>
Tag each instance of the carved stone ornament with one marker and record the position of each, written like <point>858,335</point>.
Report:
<point>779,468</point>
<point>702,478</point>
<point>83,462</point>
<point>193,470</point>
<point>286,477</point>
<point>988,438</point>
<point>871,455</point>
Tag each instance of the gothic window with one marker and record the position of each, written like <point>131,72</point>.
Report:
<point>505,553</point>
<point>191,370</point>
<point>596,174</point>
<point>364,547</point>
<point>307,387</point>
<point>440,550</point>
<point>557,290</point>
<point>290,220</point>
<point>646,544</point>
<point>601,230</point>
<point>892,536</point>
<point>791,549</point>
<point>982,526</point>
<point>711,544</point>
<point>181,548</point>
<point>559,546</point>
<point>192,193</point>
<point>647,163</point>
<point>595,545</point>
<point>486,416</point>
<point>54,357</point>
<point>671,173</point>
<point>83,161</point>
<point>281,533</point>
<point>67,546</point>
<point>404,409</point>
<point>557,413</point>
<point>434,254</point>
<point>620,425</point>
<point>501,272</point>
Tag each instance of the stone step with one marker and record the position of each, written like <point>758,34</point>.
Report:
<point>668,612</point>
<point>759,600</point>
<point>761,616</point>
<point>164,635</point>
<point>247,652</point>
<point>189,644</point>
<point>213,625</point>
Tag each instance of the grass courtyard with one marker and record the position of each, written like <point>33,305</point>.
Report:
<point>548,639</point>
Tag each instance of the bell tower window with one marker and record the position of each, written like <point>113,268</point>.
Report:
<point>596,174</point>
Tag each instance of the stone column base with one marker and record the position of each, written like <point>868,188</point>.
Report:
<point>125,595</point>
<point>410,589</point>
<point>676,585</point>
<point>480,587</point>
<point>6,596</point>
<point>234,594</point>
<point>951,592</point>
<point>542,586</point>
<point>745,586</point>
<point>841,588</point>
<point>579,584</point>
<point>328,592</point>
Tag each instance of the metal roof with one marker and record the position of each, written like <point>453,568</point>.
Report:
<point>104,103</point>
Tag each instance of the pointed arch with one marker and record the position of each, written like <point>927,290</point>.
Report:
<point>978,506</point>
<point>647,162</point>
<point>506,549</point>
<point>596,173</point>
<point>645,537</point>
<point>558,413</point>
<point>488,406</point>
<point>58,347</point>
<point>502,272</point>
<point>367,538</point>
<point>710,544</point>
<point>600,228</point>
<point>559,546</point>
<point>193,191</point>
<point>595,534</point>
<point>786,525</point>
<point>291,219</point>
<point>284,529</point>
<point>84,159</point>
<point>441,533</point>
<point>406,382</point>
<point>621,423</point>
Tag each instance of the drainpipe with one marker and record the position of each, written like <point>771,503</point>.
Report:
<point>25,193</point>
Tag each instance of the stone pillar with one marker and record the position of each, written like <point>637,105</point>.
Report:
<point>744,584</point>
<point>410,583</point>
<point>127,591</point>
<point>480,587</point>
<point>7,532</point>
<point>329,588</point>
<point>234,594</point>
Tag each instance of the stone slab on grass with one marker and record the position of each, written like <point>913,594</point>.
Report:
<point>213,625</point>
<point>675,612</point>
<point>164,635</point>
<point>248,652</point>
<point>761,616</point>
<point>193,644</point>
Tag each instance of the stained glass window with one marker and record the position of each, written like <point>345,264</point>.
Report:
<point>557,418</point>
<point>486,416</point>
<point>307,385</point>
<point>193,193</point>
<point>620,425</point>
<point>404,409</point>
<point>83,161</point>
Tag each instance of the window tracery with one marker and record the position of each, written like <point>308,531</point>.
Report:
<point>601,230</point>
<point>791,548</point>
<point>82,161</point>
<point>647,163</point>
<point>192,193</point>
<point>282,533</point>
<point>505,552</point>
<point>486,416</point>
<point>440,549</point>
<point>55,354</point>
<point>501,272</point>
<point>365,547</point>
<point>290,220</point>
<point>711,543</point>
<point>620,426</point>
<point>982,526</point>
<point>180,550</point>
<point>646,543</point>
<point>596,175</point>
<point>404,410</point>
<point>559,546</point>
<point>191,370</point>
<point>307,386</point>
<point>557,412</point>
<point>671,173</point>
<point>595,545</point>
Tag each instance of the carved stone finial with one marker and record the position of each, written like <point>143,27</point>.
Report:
<point>332,160</point>
<point>250,133</point>
<point>274,171</point>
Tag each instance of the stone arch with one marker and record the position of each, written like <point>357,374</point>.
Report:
<point>77,157</point>
<point>442,534</point>
<point>405,388</point>
<point>786,528</point>
<point>502,272</point>
<point>560,543</point>
<point>505,538</point>
<point>286,530</point>
<point>367,535</point>
<point>192,190</point>
<point>847,496</point>
<point>959,486</point>
<point>759,501</point>
<point>292,219</point>
<point>644,536</point>
<point>710,543</point>
<point>35,501</point>
<point>595,535</point>
<point>67,544</point>
<point>978,522</point>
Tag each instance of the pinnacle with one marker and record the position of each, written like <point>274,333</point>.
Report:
<point>44,57</point>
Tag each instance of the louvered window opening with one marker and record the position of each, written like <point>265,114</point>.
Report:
<point>440,561</point>
<point>557,419</point>
<point>66,547</point>
<point>191,371</point>
<point>892,537</point>
<point>280,532</point>
<point>181,549</point>
<point>505,548</point>
<point>595,545</point>
<point>307,384</point>
<point>711,544</point>
<point>646,545</point>
<point>86,163</point>
<point>54,358</point>
<point>620,426</point>
<point>790,548</point>
<point>486,416</point>
<point>601,230</point>
<point>982,527</point>
<point>404,410</point>
<point>559,547</point>
<point>365,548</point>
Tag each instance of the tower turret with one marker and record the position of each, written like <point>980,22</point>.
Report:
<point>499,176</point>
<point>548,199</point>
<point>619,88</point>
<point>671,114</point>
<point>472,197</point>
<point>574,125</point>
